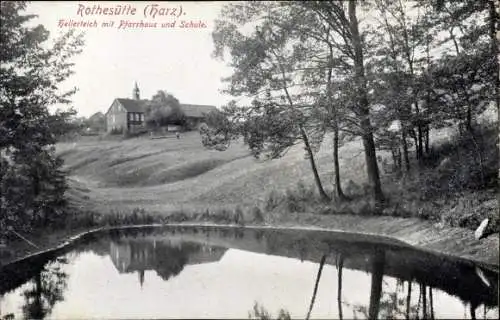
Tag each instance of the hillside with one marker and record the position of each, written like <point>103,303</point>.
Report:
<point>162,174</point>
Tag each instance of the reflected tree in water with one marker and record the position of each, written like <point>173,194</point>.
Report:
<point>45,290</point>
<point>170,261</point>
<point>316,285</point>
<point>260,313</point>
<point>378,264</point>
<point>392,305</point>
<point>340,267</point>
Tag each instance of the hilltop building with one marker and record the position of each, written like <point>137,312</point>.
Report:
<point>128,115</point>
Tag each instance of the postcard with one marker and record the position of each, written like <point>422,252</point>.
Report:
<point>249,159</point>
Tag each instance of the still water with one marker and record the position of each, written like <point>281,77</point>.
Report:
<point>209,272</point>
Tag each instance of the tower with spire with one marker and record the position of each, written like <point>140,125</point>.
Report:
<point>136,92</point>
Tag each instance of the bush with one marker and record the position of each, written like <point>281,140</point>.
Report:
<point>116,131</point>
<point>273,200</point>
<point>238,216</point>
<point>257,215</point>
<point>32,187</point>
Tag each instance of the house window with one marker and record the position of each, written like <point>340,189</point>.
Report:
<point>130,116</point>
<point>136,116</point>
<point>114,119</point>
<point>142,117</point>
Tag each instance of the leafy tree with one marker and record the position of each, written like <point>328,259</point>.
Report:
<point>218,131</point>
<point>64,123</point>
<point>464,17</point>
<point>164,109</point>
<point>465,76</point>
<point>351,44</point>
<point>96,122</point>
<point>31,182</point>
<point>266,68</point>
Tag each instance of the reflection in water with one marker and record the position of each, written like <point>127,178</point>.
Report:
<point>321,265</point>
<point>339,264</point>
<point>167,258</point>
<point>378,263</point>
<point>201,269</point>
<point>259,312</point>
<point>44,290</point>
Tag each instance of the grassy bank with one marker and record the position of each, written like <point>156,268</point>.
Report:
<point>140,181</point>
<point>169,176</point>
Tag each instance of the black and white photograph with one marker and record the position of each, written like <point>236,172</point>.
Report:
<point>267,160</point>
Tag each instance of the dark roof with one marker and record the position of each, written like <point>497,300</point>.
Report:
<point>132,105</point>
<point>196,110</point>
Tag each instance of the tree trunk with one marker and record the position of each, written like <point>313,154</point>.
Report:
<point>318,276</point>
<point>468,120</point>
<point>494,51</point>
<point>378,264</point>
<point>405,151</point>
<point>36,192</point>
<point>364,111</point>
<point>420,145</point>
<point>338,186</point>
<point>415,140</point>
<point>372,167</point>
<point>427,142</point>
<point>310,153</point>
<point>399,160</point>
<point>394,159</point>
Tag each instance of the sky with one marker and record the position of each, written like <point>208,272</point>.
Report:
<point>177,60</point>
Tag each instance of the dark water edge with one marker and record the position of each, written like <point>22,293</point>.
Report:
<point>455,276</point>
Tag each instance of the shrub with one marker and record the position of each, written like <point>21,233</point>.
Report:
<point>116,131</point>
<point>257,215</point>
<point>238,216</point>
<point>273,200</point>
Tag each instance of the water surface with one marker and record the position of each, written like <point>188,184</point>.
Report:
<point>208,272</point>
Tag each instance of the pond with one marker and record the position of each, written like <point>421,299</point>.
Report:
<point>224,272</point>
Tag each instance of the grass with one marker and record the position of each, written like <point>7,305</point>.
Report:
<point>451,188</point>
<point>167,177</point>
<point>164,175</point>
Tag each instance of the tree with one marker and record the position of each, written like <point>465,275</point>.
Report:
<point>31,182</point>
<point>464,16</point>
<point>96,122</point>
<point>466,76</point>
<point>164,109</point>
<point>64,122</point>
<point>266,68</point>
<point>344,24</point>
<point>218,131</point>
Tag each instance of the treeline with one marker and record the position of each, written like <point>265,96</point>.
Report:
<point>386,71</point>
<point>32,184</point>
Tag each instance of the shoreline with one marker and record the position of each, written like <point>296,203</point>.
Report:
<point>457,243</point>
